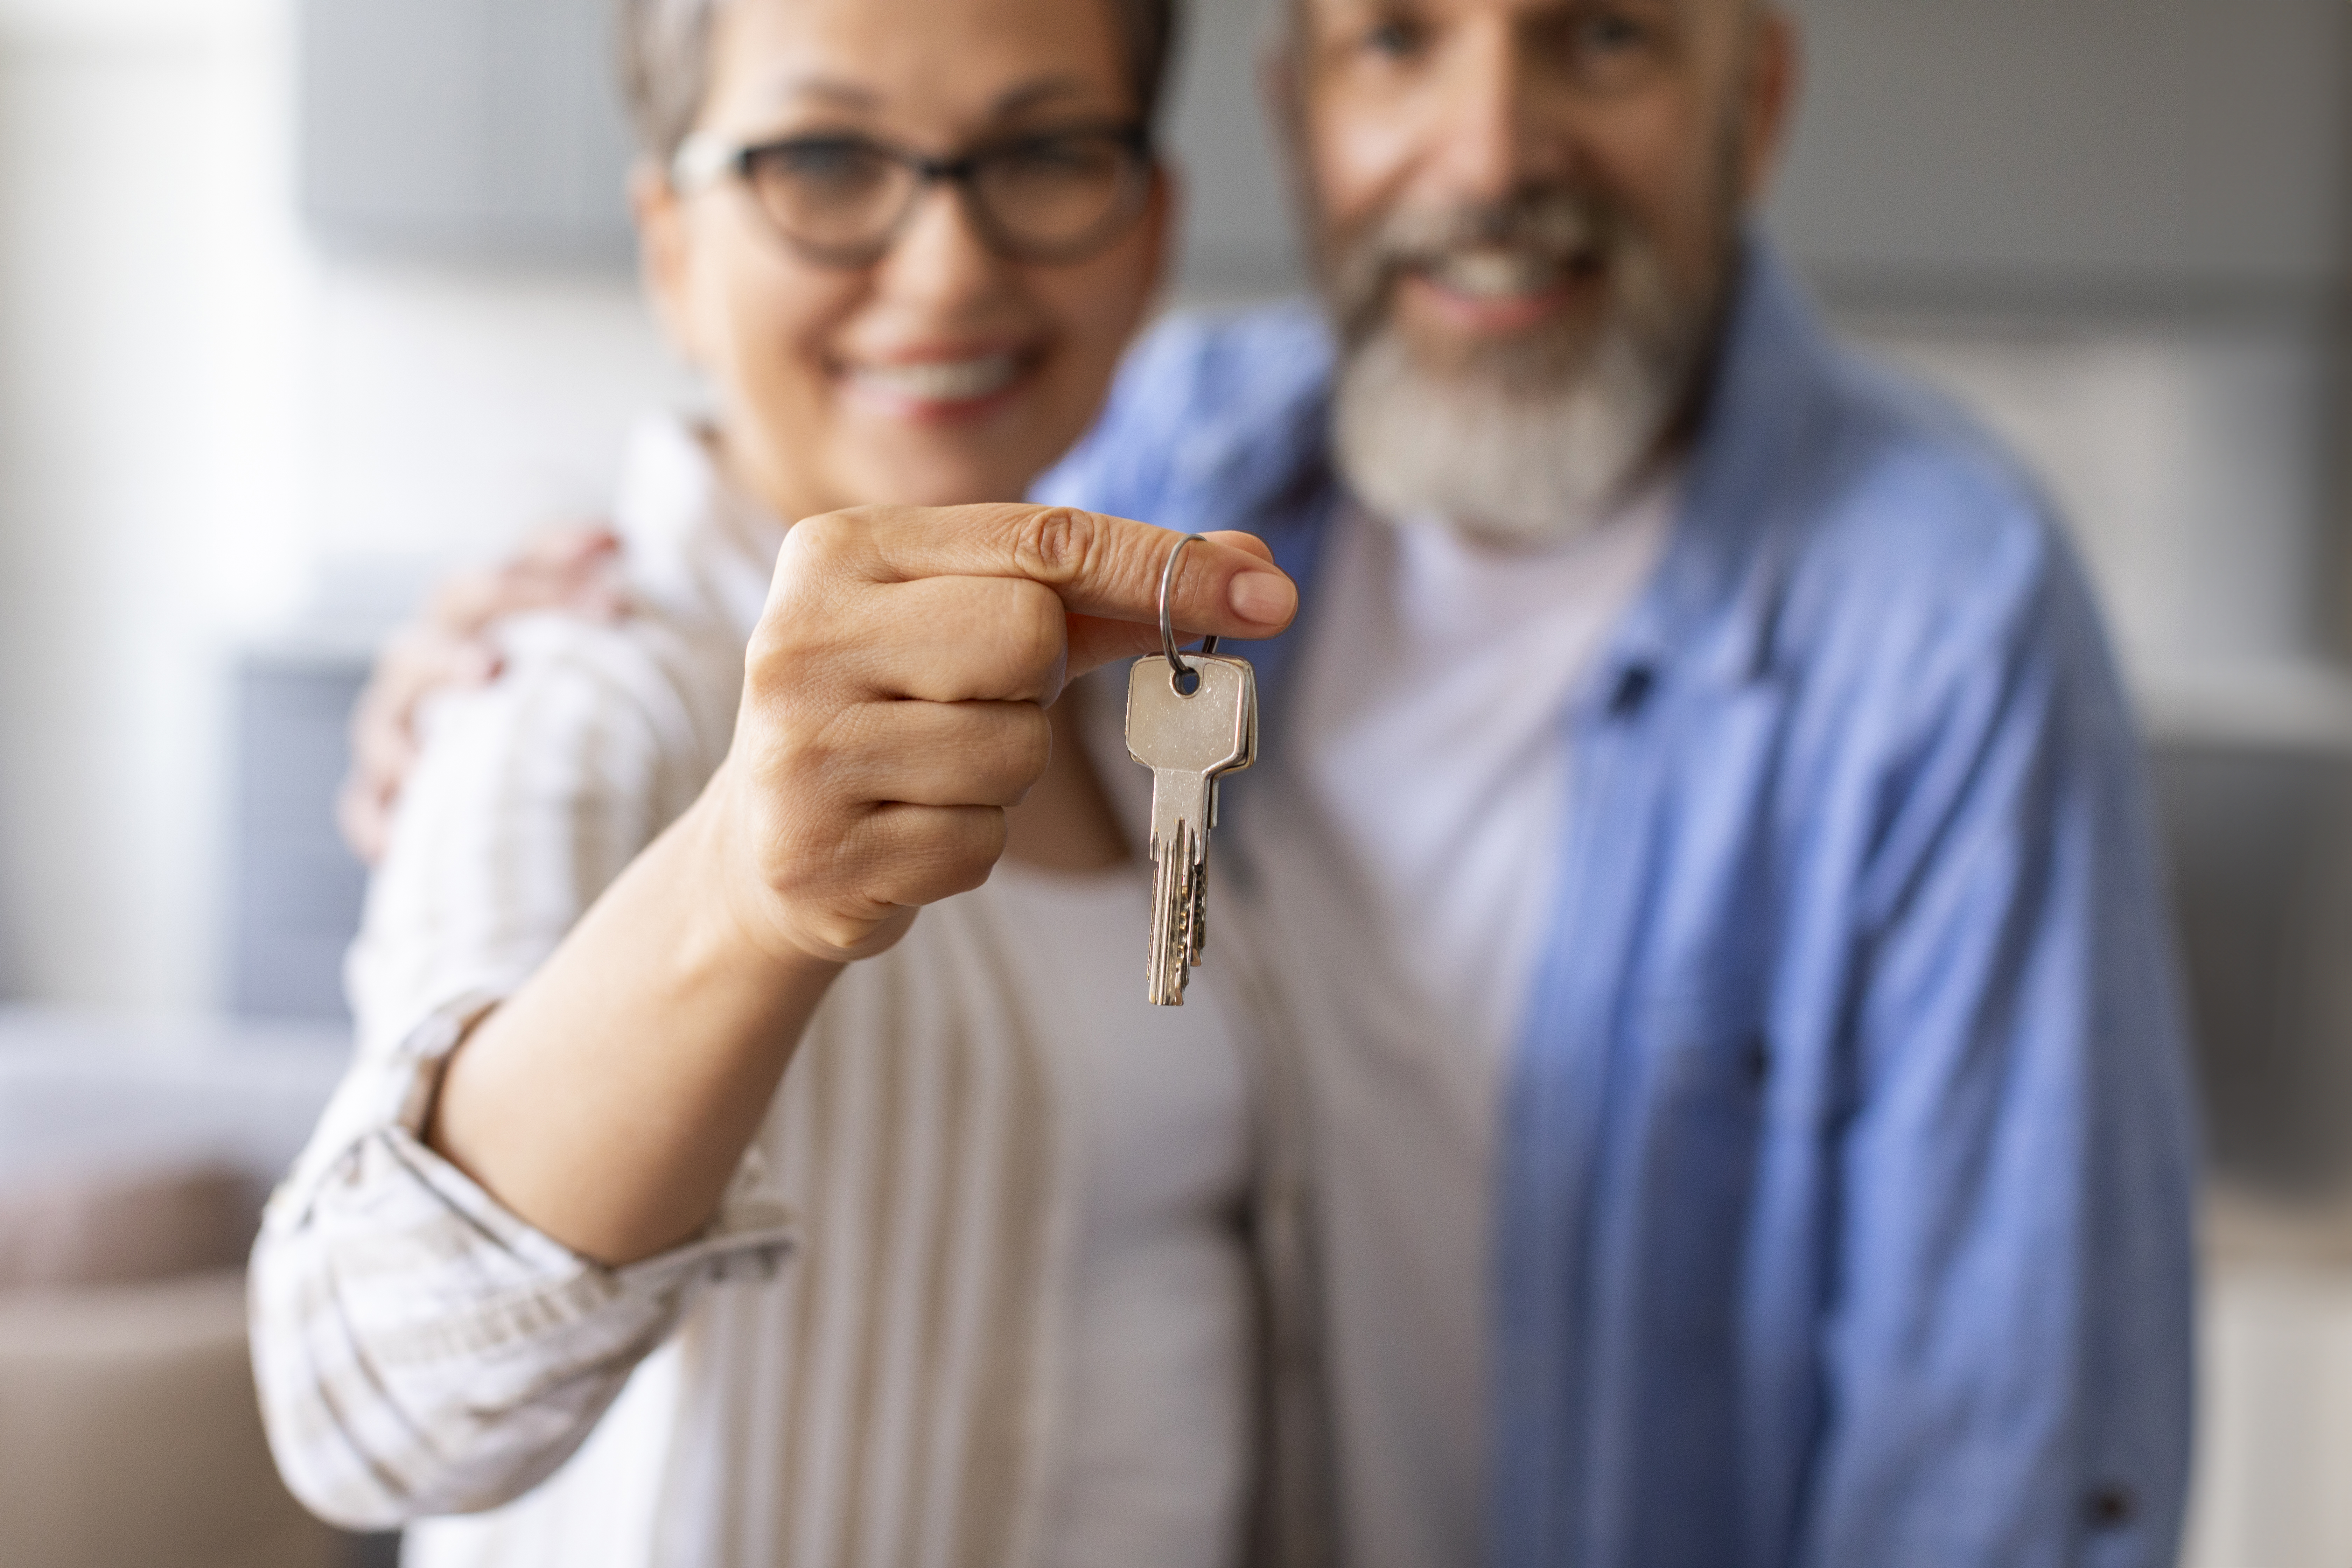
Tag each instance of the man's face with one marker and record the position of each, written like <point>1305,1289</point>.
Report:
<point>1526,214</point>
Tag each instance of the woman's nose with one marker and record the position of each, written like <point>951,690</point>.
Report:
<point>939,255</point>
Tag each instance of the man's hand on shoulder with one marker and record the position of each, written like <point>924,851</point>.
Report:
<point>572,570</point>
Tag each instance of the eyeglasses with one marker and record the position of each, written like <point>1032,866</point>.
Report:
<point>840,201</point>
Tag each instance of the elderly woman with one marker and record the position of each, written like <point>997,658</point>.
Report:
<point>690,1201</point>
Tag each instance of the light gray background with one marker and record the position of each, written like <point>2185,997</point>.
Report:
<point>2165,151</point>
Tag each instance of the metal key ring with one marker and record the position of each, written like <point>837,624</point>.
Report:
<point>1167,623</point>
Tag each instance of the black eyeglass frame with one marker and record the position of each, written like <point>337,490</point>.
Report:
<point>703,160</point>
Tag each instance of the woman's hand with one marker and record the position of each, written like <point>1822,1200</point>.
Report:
<point>895,700</point>
<point>893,706</point>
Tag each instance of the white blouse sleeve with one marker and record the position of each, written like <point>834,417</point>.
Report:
<point>420,1349</point>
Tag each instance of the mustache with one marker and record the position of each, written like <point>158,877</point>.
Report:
<point>1553,225</point>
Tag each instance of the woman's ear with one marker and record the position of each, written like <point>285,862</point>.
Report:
<point>663,253</point>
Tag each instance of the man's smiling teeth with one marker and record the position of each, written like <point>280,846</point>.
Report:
<point>1495,274</point>
<point>942,380</point>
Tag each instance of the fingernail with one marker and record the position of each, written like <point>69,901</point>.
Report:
<point>1266,597</point>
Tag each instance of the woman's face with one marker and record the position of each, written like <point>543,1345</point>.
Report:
<point>942,372</point>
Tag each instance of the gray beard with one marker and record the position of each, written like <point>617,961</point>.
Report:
<point>1497,459</point>
<point>1536,437</point>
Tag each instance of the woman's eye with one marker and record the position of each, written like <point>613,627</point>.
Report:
<point>828,162</point>
<point>1052,156</point>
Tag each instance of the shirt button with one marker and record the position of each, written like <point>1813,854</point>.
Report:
<point>2109,1507</point>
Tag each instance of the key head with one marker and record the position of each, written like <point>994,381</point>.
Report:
<point>1213,731</point>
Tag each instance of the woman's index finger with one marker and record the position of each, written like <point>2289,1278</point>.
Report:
<point>1103,566</point>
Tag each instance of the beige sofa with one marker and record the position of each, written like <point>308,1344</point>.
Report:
<point>130,1434</point>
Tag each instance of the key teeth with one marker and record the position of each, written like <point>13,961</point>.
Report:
<point>1197,912</point>
<point>1177,897</point>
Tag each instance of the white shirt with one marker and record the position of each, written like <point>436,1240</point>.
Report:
<point>1155,1465</point>
<point>1405,857</point>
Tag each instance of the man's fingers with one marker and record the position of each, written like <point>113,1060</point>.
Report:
<point>364,817</point>
<point>414,666</point>
<point>384,747</point>
<point>1100,566</point>
<point>462,605</point>
<point>586,586</point>
<point>571,549</point>
<point>562,569</point>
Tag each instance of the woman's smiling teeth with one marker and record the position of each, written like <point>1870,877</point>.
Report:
<point>941,380</point>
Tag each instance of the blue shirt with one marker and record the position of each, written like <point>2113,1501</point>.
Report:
<point>1844,1206</point>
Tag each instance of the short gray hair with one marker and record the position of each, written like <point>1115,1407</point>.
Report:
<point>665,62</point>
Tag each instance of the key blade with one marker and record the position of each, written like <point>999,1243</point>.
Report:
<point>1179,848</point>
<point>1180,801</point>
<point>1168,965</point>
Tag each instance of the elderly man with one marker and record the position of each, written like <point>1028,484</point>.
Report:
<point>1700,850</point>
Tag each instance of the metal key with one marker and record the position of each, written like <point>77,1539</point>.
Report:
<point>1191,723</point>
<point>1188,742</point>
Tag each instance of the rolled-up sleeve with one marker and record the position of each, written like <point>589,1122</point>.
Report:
<point>421,1349</point>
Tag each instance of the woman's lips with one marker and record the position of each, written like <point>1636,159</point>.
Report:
<point>935,388</point>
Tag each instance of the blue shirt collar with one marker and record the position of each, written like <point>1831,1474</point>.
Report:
<point>1708,612</point>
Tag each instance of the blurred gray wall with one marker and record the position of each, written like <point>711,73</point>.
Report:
<point>463,130</point>
<point>2171,152</point>
<point>1240,240</point>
